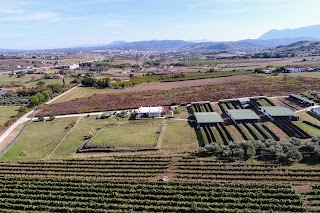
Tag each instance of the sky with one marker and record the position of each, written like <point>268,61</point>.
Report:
<point>41,24</point>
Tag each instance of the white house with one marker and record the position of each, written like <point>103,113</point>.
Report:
<point>149,112</point>
<point>295,69</point>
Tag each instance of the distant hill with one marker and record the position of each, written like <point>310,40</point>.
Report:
<point>301,46</point>
<point>303,33</point>
<point>153,45</point>
<point>242,45</point>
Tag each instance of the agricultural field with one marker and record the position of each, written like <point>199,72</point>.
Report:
<point>131,183</point>
<point>127,135</point>
<point>125,99</point>
<point>6,112</point>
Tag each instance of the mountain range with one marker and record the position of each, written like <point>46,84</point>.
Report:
<point>270,39</point>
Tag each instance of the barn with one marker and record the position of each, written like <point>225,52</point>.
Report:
<point>242,115</point>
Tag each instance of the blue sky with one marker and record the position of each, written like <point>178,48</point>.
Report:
<point>38,24</point>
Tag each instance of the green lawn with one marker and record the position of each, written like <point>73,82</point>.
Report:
<point>179,137</point>
<point>38,140</point>
<point>126,136</point>
<point>48,81</point>
<point>6,112</point>
<point>81,92</point>
<point>312,131</point>
<point>75,138</point>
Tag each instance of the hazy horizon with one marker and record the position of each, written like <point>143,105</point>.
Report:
<point>36,24</point>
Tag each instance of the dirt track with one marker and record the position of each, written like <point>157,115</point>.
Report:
<point>179,84</point>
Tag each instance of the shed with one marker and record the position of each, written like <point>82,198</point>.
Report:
<point>302,100</point>
<point>208,117</point>
<point>278,112</point>
<point>242,115</point>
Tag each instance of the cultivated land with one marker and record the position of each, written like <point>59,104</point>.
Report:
<point>125,100</point>
<point>51,177</point>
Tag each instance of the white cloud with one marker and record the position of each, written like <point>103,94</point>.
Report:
<point>38,16</point>
<point>115,23</point>
<point>14,11</point>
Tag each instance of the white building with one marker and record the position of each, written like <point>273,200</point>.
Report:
<point>149,112</point>
<point>295,69</point>
<point>316,110</point>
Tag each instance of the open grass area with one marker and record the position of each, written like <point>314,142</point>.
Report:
<point>6,112</point>
<point>126,136</point>
<point>75,138</point>
<point>38,140</point>
<point>49,81</point>
<point>312,131</point>
<point>306,116</point>
<point>81,92</point>
<point>179,137</point>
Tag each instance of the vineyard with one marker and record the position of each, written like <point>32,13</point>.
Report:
<point>131,183</point>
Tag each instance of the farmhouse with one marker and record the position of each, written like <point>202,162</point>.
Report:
<point>242,115</point>
<point>278,112</point>
<point>316,111</point>
<point>207,118</point>
<point>301,100</point>
<point>296,68</point>
<point>149,112</point>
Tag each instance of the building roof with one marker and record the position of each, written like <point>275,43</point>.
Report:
<point>276,111</point>
<point>316,109</point>
<point>208,117</point>
<point>302,98</point>
<point>243,114</point>
<point>158,109</point>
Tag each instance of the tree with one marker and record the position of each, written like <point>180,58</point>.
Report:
<point>34,100</point>
<point>41,83</point>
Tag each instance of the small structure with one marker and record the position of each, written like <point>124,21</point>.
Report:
<point>295,68</point>
<point>149,112</point>
<point>57,76</point>
<point>278,112</point>
<point>301,100</point>
<point>242,115</point>
<point>208,118</point>
<point>4,91</point>
<point>316,110</point>
<point>269,70</point>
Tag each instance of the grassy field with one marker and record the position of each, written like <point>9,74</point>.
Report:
<point>38,140</point>
<point>312,131</point>
<point>75,138</point>
<point>48,81</point>
<point>179,137</point>
<point>6,112</point>
<point>81,92</point>
<point>126,136</point>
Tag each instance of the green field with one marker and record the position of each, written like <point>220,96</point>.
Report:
<point>81,92</point>
<point>6,112</point>
<point>178,137</point>
<point>38,140</point>
<point>75,138</point>
<point>48,81</point>
<point>126,136</point>
<point>312,131</point>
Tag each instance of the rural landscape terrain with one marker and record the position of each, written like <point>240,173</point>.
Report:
<point>162,125</point>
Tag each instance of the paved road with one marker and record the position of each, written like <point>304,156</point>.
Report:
<point>24,118</point>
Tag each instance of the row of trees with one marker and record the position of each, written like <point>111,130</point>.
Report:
<point>285,151</point>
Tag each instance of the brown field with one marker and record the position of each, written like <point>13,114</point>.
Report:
<point>189,93</point>
<point>201,82</point>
